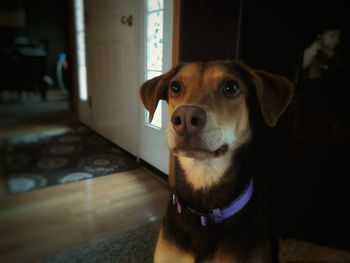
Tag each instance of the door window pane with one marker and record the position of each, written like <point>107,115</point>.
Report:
<point>154,51</point>
<point>81,54</point>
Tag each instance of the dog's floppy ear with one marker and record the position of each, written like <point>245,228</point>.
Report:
<point>156,89</point>
<point>274,93</point>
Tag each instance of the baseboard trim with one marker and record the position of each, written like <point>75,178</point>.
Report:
<point>155,170</point>
<point>142,162</point>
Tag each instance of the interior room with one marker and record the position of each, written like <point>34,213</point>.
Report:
<point>87,176</point>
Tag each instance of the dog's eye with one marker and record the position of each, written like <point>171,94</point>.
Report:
<point>175,88</point>
<point>230,88</point>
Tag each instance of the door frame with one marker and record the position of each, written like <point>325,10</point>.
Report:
<point>73,59</point>
<point>175,61</point>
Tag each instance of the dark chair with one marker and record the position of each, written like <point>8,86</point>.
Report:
<point>24,66</point>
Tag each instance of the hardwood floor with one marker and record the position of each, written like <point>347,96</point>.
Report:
<point>36,224</point>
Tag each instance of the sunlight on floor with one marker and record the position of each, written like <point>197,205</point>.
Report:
<point>31,132</point>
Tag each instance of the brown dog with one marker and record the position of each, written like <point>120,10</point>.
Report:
<point>216,107</point>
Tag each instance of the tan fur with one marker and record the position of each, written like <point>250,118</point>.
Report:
<point>259,256</point>
<point>166,252</point>
<point>223,258</point>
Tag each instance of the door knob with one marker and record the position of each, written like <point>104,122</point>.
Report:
<point>127,20</point>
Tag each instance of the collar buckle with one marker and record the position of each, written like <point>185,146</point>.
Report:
<point>217,216</point>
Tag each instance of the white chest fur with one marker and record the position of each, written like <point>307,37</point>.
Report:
<point>205,173</point>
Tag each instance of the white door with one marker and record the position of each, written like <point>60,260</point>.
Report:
<point>112,70</point>
<point>157,50</point>
<point>117,65</point>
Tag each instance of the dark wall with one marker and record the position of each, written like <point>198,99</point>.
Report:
<point>311,183</point>
<point>208,30</point>
<point>267,35</point>
<point>275,33</point>
<point>271,36</point>
<point>44,20</point>
<point>262,34</point>
<point>307,181</point>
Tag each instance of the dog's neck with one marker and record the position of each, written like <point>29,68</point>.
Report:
<point>208,184</point>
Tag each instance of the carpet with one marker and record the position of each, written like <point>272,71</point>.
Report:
<point>134,246</point>
<point>137,246</point>
<point>58,155</point>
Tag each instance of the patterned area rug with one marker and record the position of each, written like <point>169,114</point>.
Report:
<point>59,156</point>
<point>137,246</point>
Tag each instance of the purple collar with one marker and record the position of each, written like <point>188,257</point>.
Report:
<point>216,216</point>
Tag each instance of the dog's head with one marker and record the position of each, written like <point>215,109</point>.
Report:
<point>208,105</point>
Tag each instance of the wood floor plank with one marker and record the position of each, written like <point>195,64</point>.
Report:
<point>36,224</point>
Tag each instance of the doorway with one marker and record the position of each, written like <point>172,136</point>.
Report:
<point>127,42</point>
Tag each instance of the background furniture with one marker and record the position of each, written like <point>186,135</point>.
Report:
<point>23,64</point>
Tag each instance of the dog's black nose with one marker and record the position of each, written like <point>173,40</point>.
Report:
<point>188,120</point>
